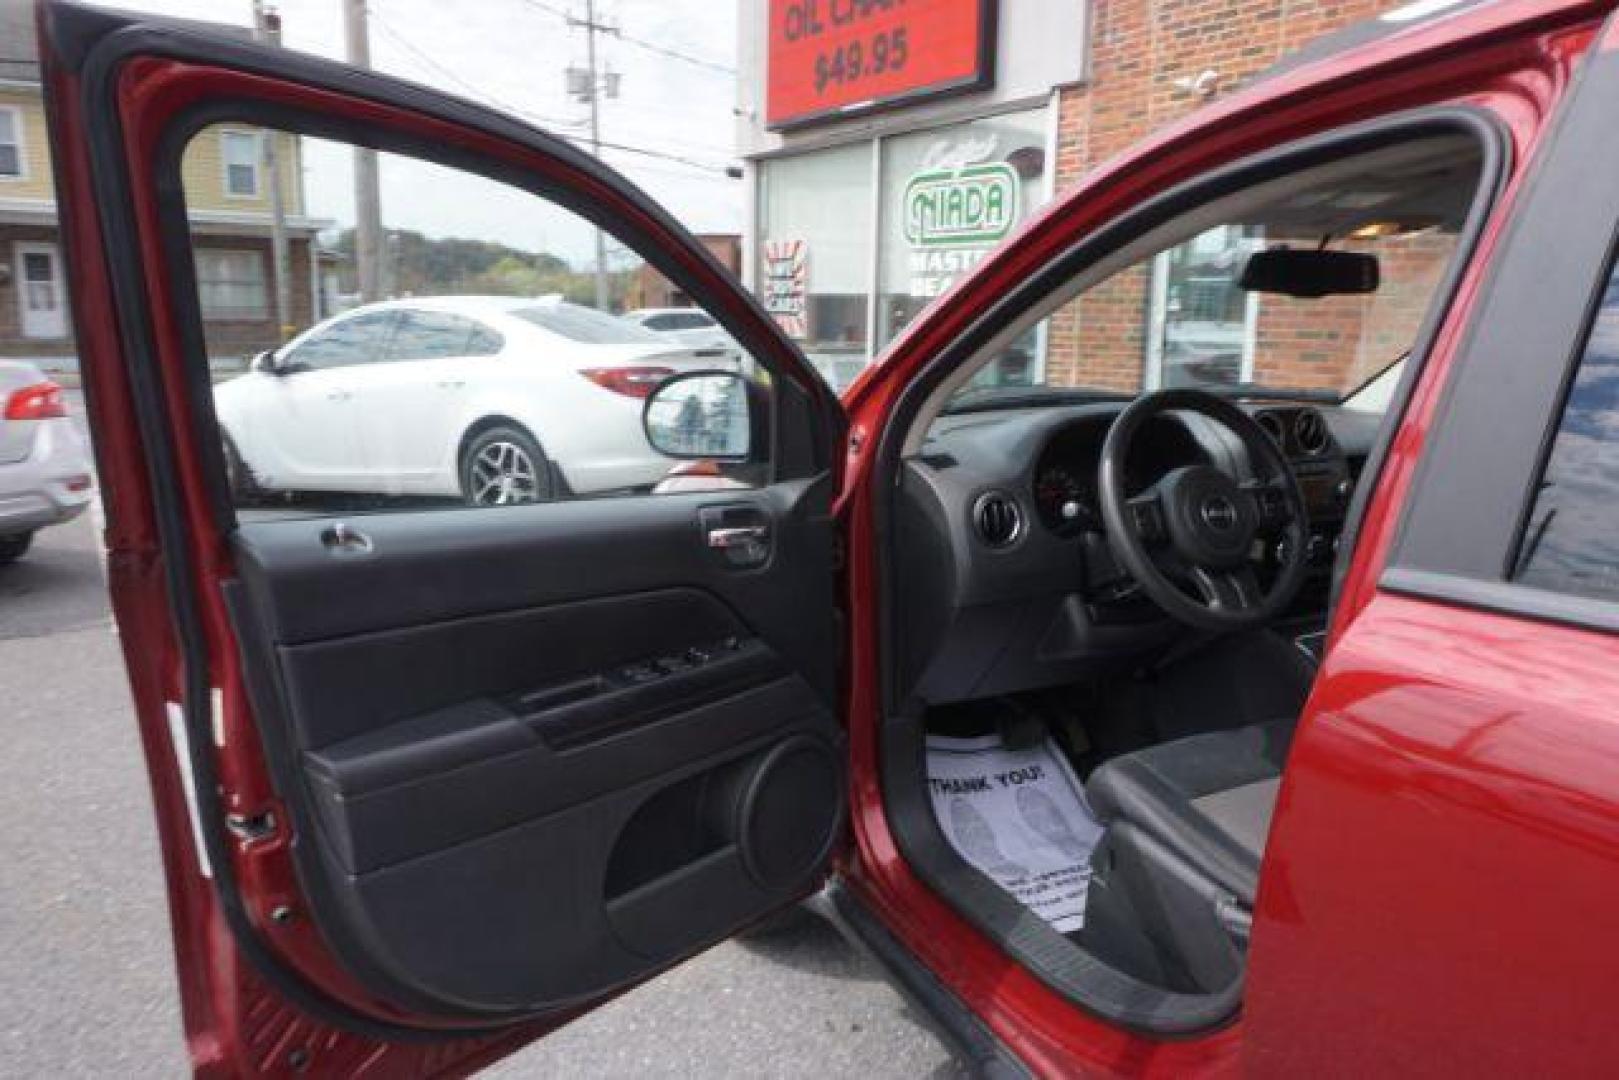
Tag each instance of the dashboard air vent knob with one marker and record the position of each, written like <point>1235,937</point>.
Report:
<point>998,519</point>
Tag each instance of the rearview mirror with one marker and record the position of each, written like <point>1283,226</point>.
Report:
<point>699,414</point>
<point>1310,274</point>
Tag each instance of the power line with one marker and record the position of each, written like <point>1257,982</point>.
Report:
<point>643,43</point>
<point>446,73</point>
<point>489,98</point>
<point>506,106</point>
<point>676,54</point>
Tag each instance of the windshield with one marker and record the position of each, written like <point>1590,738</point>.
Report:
<point>1311,290</point>
<point>587,325</point>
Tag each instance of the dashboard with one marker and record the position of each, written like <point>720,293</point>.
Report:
<point>1006,579</point>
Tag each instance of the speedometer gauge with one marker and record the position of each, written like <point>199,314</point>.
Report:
<point>1063,500</point>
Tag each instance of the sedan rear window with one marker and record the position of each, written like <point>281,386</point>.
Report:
<point>587,325</point>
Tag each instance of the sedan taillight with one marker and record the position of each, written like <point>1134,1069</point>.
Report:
<point>635,382</point>
<point>42,401</point>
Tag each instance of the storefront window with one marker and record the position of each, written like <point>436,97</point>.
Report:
<point>814,271</point>
<point>949,196</point>
<point>1202,321</point>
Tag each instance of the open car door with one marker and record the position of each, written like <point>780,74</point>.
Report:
<point>431,778</point>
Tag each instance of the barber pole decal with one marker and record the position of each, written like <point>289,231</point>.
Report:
<point>786,284</point>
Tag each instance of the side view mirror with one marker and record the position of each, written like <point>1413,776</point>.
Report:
<point>271,362</point>
<point>700,414</point>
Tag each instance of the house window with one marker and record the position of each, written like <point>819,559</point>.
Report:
<point>240,150</point>
<point>232,284</point>
<point>10,141</point>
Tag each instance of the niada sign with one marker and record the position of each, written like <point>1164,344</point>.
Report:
<point>975,205</point>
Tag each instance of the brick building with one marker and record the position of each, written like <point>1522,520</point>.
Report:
<point>650,289</point>
<point>225,171</point>
<point>1058,87</point>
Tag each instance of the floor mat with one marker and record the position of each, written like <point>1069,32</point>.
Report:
<point>1020,817</point>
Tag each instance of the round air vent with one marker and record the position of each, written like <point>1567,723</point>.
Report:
<point>1272,425</point>
<point>998,519</point>
<point>1310,432</point>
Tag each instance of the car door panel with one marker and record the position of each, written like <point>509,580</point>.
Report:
<point>298,430</point>
<point>422,773</point>
<point>405,414</point>
<point>484,716</point>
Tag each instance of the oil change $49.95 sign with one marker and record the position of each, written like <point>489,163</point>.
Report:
<point>836,57</point>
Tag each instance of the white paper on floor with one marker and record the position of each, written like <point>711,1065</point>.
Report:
<point>1019,816</point>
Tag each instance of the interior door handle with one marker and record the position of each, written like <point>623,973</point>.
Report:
<point>738,536</point>
<point>342,538</point>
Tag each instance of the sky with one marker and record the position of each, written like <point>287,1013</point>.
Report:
<point>511,55</point>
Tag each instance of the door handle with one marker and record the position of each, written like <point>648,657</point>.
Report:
<point>342,538</point>
<point>738,536</point>
<point>451,384</point>
<point>338,395</point>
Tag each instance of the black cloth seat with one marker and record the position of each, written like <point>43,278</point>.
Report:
<point>1207,798</point>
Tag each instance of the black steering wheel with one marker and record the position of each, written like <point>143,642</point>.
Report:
<point>1197,525</point>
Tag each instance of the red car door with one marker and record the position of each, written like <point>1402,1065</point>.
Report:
<point>1444,863</point>
<point>431,783</point>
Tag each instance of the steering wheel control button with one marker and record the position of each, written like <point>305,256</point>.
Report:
<point>1148,519</point>
<point>1272,505</point>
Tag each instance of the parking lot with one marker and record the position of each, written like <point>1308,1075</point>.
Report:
<point>84,947</point>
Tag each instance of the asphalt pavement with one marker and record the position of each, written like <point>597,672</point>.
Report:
<point>85,963</point>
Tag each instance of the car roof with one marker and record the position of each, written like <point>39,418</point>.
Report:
<point>465,305</point>
<point>1396,20</point>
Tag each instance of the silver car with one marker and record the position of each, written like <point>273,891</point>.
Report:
<point>44,469</point>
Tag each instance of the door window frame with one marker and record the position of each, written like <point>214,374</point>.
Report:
<point>132,166</point>
<point>1091,985</point>
<point>1468,506</point>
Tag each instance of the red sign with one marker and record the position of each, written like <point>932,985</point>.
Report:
<point>837,57</point>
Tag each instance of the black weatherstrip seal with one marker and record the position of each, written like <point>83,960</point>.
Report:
<point>1110,994</point>
<point>95,44</point>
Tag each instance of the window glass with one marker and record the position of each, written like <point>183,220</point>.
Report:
<point>586,325</point>
<point>949,196</point>
<point>1183,317</point>
<point>814,270</point>
<point>303,323</point>
<point>1204,327</point>
<point>10,144</point>
<point>1571,538</point>
<point>39,281</point>
<point>679,320</point>
<point>232,284</point>
<point>361,339</point>
<point>428,335</point>
<point>240,150</point>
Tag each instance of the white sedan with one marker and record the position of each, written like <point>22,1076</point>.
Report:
<point>491,399</point>
<point>689,326</point>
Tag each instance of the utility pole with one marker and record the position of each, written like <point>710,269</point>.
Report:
<point>367,198</point>
<point>589,88</point>
<point>267,30</point>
